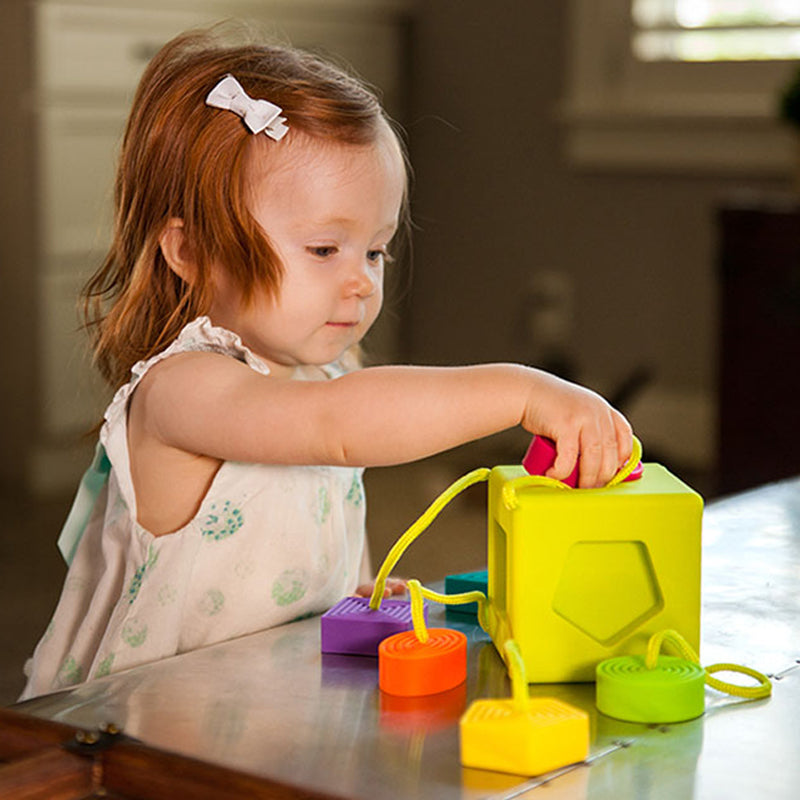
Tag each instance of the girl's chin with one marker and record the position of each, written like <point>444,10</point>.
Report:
<point>319,359</point>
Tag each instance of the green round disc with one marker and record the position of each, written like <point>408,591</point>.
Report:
<point>673,691</point>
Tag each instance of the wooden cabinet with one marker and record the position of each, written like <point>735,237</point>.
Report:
<point>43,760</point>
<point>759,387</point>
<point>74,67</point>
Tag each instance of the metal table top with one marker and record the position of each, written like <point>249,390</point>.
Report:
<point>272,705</point>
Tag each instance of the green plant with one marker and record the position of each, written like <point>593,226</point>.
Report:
<point>789,109</point>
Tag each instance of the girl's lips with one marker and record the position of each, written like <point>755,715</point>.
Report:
<point>343,324</point>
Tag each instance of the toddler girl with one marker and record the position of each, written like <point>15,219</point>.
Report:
<point>258,196</point>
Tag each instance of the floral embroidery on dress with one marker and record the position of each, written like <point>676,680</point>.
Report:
<point>70,672</point>
<point>104,667</point>
<point>220,523</point>
<point>134,633</point>
<point>289,587</point>
<point>244,569</point>
<point>167,595</point>
<point>138,575</point>
<point>356,493</point>
<point>322,506</point>
<point>212,602</point>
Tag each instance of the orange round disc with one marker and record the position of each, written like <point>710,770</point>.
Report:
<point>409,668</point>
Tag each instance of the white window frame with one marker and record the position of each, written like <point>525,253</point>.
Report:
<point>622,113</point>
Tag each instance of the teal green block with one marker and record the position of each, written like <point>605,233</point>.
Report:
<point>466,582</point>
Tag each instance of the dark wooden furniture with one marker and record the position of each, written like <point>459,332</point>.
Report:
<point>43,760</point>
<point>759,380</point>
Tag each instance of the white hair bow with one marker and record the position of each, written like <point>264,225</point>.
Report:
<point>258,115</point>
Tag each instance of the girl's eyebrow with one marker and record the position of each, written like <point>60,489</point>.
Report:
<point>332,222</point>
<point>344,222</point>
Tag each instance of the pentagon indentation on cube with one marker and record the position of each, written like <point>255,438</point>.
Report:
<point>608,589</point>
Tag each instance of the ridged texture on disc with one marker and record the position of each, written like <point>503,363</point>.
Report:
<point>673,691</point>
<point>409,667</point>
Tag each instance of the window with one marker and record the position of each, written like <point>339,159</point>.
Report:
<point>688,85</point>
<point>715,30</point>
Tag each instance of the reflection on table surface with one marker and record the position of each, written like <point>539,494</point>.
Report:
<point>272,705</point>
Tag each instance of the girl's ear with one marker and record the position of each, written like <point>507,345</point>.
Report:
<point>176,251</point>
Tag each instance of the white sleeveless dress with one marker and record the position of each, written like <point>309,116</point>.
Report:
<point>268,544</point>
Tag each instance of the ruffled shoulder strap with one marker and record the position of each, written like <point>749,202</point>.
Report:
<point>199,335</point>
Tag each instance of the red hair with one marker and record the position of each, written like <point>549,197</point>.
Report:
<point>183,159</point>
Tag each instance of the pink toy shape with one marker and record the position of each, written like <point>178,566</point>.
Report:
<point>351,627</point>
<point>541,454</point>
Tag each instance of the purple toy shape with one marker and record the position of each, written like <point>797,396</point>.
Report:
<point>352,628</point>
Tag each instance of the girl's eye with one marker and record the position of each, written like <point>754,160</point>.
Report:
<point>376,256</point>
<point>323,251</point>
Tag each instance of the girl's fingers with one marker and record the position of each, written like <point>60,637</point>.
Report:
<point>606,450</point>
<point>392,587</point>
<point>591,463</point>
<point>624,439</point>
<point>612,458</point>
<point>566,456</point>
<point>600,455</point>
<point>610,463</point>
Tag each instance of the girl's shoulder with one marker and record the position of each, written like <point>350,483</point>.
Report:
<point>200,336</point>
<point>171,401</point>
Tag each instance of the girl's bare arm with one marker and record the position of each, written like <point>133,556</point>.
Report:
<point>214,406</point>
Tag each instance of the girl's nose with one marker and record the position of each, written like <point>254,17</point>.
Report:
<point>363,280</point>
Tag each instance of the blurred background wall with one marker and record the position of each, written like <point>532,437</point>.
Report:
<point>511,232</point>
<point>608,275</point>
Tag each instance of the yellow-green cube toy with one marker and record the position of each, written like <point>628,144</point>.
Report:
<point>576,576</point>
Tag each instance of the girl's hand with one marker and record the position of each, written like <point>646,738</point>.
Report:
<point>394,586</point>
<point>582,424</point>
